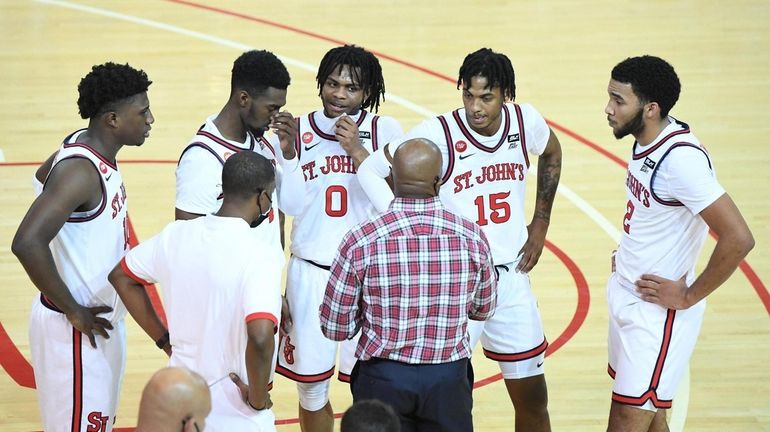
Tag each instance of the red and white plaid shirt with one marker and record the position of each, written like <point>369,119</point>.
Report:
<point>410,280</point>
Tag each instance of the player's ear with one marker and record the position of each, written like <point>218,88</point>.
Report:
<point>110,118</point>
<point>244,98</point>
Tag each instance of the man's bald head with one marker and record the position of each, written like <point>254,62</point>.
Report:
<point>417,169</point>
<point>173,397</point>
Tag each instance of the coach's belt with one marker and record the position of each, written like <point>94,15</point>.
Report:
<point>320,266</point>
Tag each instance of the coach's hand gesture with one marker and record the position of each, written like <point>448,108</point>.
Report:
<point>85,319</point>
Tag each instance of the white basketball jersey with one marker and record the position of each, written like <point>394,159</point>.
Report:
<point>485,177</point>
<point>90,243</point>
<point>334,200</point>
<point>209,142</point>
<point>662,235</point>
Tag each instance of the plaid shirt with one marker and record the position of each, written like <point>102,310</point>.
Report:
<point>410,280</point>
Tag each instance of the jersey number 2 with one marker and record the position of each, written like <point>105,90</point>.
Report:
<point>501,211</point>
<point>627,217</point>
<point>336,201</point>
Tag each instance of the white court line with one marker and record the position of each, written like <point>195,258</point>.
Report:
<point>583,205</point>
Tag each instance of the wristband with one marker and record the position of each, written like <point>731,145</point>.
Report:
<point>255,408</point>
<point>162,341</point>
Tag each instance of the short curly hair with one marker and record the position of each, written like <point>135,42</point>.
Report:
<point>255,71</point>
<point>107,85</point>
<point>652,79</point>
<point>493,66</point>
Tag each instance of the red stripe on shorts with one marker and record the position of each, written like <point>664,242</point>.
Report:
<point>77,381</point>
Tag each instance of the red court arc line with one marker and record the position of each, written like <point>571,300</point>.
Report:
<point>578,318</point>
<point>755,281</point>
<point>14,363</point>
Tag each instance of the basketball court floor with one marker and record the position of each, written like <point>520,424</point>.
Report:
<point>562,52</point>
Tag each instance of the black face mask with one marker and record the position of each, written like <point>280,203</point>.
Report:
<point>264,215</point>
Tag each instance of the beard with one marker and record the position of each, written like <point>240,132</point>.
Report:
<point>258,132</point>
<point>633,127</point>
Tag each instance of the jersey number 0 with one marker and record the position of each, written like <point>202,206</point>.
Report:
<point>336,201</point>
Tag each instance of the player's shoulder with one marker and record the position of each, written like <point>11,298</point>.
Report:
<point>528,111</point>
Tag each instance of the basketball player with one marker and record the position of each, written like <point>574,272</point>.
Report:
<point>485,149</point>
<point>332,144</point>
<point>223,303</point>
<point>673,200</point>
<point>257,93</point>
<point>81,213</point>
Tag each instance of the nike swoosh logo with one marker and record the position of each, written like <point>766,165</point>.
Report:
<point>539,364</point>
<point>309,147</point>
<point>108,177</point>
<point>466,156</point>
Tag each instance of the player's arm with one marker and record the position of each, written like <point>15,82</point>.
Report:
<point>548,173</point>
<point>259,358</point>
<point>73,184</point>
<point>290,181</point>
<point>133,293</point>
<point>371,176</point>
<point>734,241</point>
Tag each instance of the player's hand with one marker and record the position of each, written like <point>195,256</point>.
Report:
<point>85,319</point>
<point>530,253</point>
<point>286,322</point>
<point>346,132</point>
<point>670,294</point>
<point>284,126</point>
<point>244,390</point>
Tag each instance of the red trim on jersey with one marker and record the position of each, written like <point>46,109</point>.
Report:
<point>657,145</point>
<point>326,136</point>
<point>267,144</point>
<point>77,381</point>
<point>610,371</point>
<point>262,315</point>
<point>304,378</point>
<point>343,377</point>
<point>450,149</point>
<point>469,136</point>
<point>224,143</point>
<point>672,203</point>
<point>102,206</point>
<point>203,146</point>
<point>131,274</point>
<point>374,133</point>
<point>522,135</point>
<point>524,355</point>
<point>112,165</point>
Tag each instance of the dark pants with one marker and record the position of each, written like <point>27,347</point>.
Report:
<point>427,397</point>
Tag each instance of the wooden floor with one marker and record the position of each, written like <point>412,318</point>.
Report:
<point>562,52</point>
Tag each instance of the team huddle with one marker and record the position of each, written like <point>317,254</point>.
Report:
<point>407,249</point>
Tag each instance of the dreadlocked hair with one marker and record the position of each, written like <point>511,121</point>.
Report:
<point>364,68</point>
<point>495,67</point>
<point>256,71</point>
<point>107,85</point>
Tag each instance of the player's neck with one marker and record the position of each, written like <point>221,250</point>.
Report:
<point>651,131</point>
<point>234,210</point>
<point>230,125</point>
<point>101,142</point>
